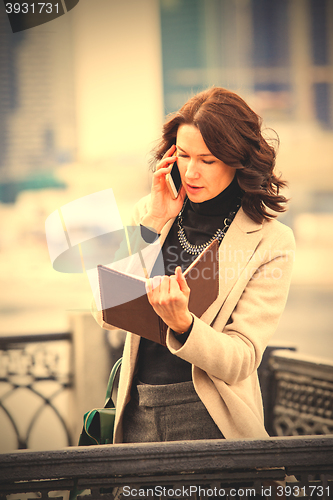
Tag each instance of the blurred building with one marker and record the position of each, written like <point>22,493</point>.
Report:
<point>280,52</point>
<point>37,106</point>
<point>118,79</point>
<point>91,85</point>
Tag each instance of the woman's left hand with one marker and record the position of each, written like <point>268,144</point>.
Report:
<point>169,296</point>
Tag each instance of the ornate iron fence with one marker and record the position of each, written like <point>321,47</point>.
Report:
<point>35,391</point>
<point>36,379</point>
<point>302,391</point>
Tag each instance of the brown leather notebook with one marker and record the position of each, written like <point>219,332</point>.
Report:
<point>137,315</point>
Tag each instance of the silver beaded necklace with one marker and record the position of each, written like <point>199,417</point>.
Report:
<point>219,233</point>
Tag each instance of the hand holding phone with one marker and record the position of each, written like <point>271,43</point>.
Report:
<point>166,202</point>
<point>173,181</point>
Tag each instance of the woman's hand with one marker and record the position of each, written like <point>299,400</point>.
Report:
<point>169,296</point>
<point>163,207</point>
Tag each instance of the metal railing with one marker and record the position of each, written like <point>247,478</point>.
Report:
<point>35,379</point>
<point>190,469</point>
<point>301,393</point>
<point>48,381</point>
<point>298,399</point>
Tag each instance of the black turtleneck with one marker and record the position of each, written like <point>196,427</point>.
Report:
<point>200,221</point>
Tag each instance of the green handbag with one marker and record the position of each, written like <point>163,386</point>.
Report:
<point>98,423</point>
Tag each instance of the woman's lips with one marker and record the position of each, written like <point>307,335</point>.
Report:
<point>192,189</point>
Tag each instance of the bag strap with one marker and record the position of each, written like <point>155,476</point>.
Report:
<point>113,374</point>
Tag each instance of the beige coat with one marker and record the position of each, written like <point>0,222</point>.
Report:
<point>227,342</point>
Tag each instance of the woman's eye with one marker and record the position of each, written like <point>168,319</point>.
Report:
<point>206,162</point>
<point>182,156</point>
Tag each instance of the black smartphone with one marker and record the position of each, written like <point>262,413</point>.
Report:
<point>173,181</point>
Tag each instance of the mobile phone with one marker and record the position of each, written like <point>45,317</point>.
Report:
<point>173,181</point>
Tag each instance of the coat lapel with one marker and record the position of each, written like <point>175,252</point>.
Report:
<point>236,249</point>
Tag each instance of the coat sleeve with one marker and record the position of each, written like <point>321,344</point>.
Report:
<point>232,351</point>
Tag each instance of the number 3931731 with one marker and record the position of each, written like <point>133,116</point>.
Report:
<point>32,8</point>
<point>310,491</point>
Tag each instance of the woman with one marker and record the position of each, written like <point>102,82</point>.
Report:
<point>204,384</point>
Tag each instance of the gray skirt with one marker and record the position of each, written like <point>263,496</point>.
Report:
<point>172,412</point>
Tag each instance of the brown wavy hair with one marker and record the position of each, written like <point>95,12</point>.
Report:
<point>232,133</point>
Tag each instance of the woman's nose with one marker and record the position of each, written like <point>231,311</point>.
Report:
<point>192,171</point>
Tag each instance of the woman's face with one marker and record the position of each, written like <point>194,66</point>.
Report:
<point>203,175</point>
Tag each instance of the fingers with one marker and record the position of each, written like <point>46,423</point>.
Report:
<point>170,151</point>
<point>167,284</point>
<point>166,163</point>
<point>163,170</point>
<point>169,302</point>
<point>168,158</point>
<point>161,289</point>
<point>153,284</point>
<point>157,287</point>
<point>181,280</point>
<point>174,286</point>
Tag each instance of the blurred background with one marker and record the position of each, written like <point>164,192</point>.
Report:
<point>82,102</point>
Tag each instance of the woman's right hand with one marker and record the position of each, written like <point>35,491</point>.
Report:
<point>163,207</point>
